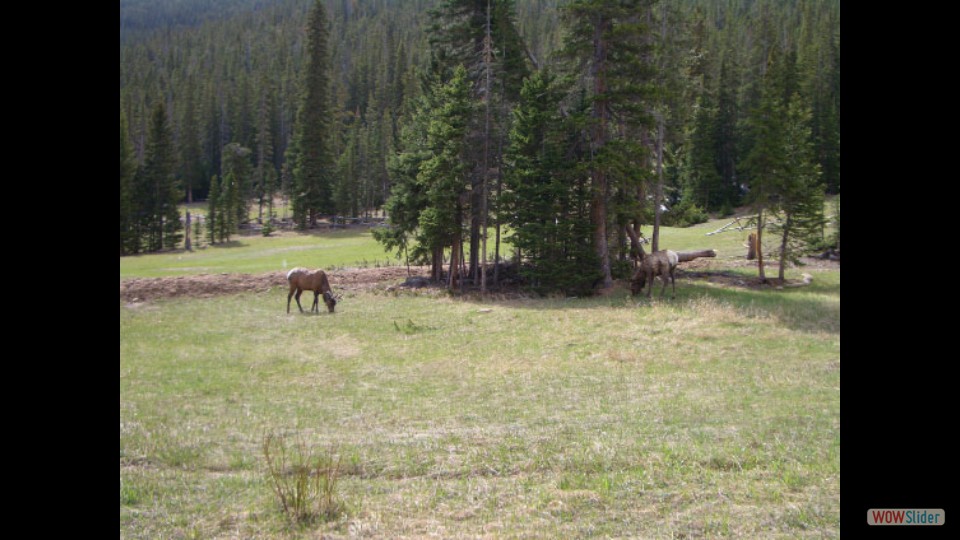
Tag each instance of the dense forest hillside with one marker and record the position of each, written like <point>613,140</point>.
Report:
<point>704,105</point>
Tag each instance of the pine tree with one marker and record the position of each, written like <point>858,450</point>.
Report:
<point>481,36</point>
<point>163,217</point>
<point>726,137</point>
<point>800,193</point>
<point>430,195</point>
<point>236,166</point>
<point>457,35</point>
<point>312,190</point>
<point>783,174</point>
<point>407,196</point>
<point>229,202</point>
<point>348,178</point>
<point>545,198</point>
<point>129,243</point>
<point>766,162</point>
<point>190,151</point>
<point>703,184</point>
<point>213,136</point>
<point>445,174</point>
<point>824,92</point>
<point>607,40</point>
<point>265,174</point>
<point>213,210</point>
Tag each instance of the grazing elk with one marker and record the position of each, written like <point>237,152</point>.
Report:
<point>659,263</point>
<point>301,279</point>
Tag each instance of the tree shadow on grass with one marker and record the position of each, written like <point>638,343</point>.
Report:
<point>353,231</point>
<point>813,308</point>
<point>810,309</point>
<point>229,244</point>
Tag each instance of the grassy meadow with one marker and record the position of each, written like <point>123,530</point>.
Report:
<point>355,247</point>
<point>716,414</point>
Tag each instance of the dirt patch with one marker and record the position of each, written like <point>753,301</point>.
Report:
<point>209,285</point>
<point>135,290</point>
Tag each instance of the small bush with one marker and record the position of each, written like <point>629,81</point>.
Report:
<point>693,215</point>
<point>685,214</point>
<point>305,484</point>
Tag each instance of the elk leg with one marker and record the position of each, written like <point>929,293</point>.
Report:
<point>299,292</point>
<point>316,302</point>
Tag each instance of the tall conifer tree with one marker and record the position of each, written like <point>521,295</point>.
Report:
<point>213,210</point>
<point>312,189</point>
<point>163,217</point>
<point>801,189</point>
<point>129,243</point>
<point>608,41</point>
<point>445,174</point>
<point>546,193</point>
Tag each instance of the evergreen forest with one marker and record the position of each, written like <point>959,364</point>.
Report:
<point>566,124</point>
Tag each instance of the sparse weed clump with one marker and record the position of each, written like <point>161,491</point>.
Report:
<point>303,479</point>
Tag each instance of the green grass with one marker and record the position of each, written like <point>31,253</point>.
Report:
<point>253,254</point>
<point>713,415</point>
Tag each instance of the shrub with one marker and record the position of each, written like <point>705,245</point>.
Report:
<point>685,214</point>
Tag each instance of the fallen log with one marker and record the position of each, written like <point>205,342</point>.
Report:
<point>686,256</point>
<point>683,256</point>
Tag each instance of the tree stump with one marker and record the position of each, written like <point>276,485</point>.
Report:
<point>752,247</point>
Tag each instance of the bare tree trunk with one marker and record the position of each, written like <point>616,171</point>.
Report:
<point>658,195</point>
<point>187,244</point>
<point>496,250</point>
<point>598,214</point>
<point>475,218</point>
<point>463,268</point>
<point>488,61</point>
<point>454,264</point>
<point>437,269</point>
<point>598,206</point>
<point>783,247</point>
<point>456,250</point>
<point>636,246</point>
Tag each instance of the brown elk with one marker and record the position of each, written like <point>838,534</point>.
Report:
<point>659,263</point>
<point>301,279</point>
